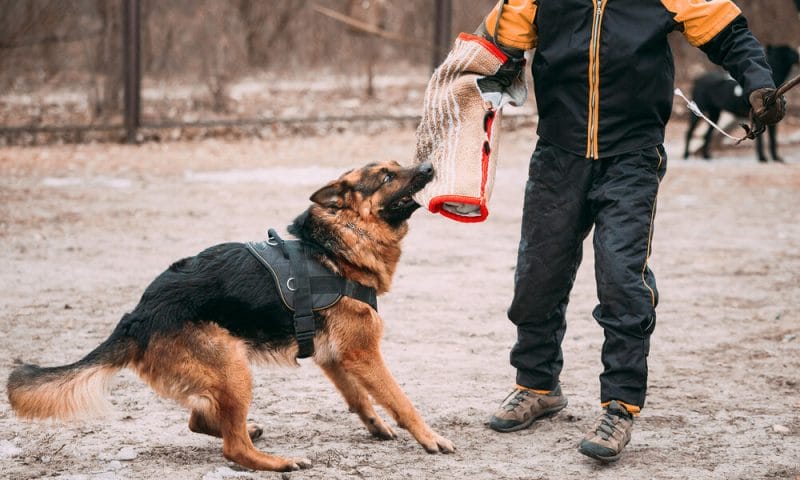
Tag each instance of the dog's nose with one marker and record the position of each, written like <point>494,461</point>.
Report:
<point>425,168</point>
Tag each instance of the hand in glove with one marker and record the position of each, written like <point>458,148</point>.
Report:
<point>764,113</point>
<point>509,73</point>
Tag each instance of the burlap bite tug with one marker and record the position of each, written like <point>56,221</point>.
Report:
<point>459,130</point>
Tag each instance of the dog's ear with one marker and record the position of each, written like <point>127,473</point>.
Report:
<point>330,196</point>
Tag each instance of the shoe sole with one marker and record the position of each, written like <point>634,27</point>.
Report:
<point>527,423</point>
<point>599,457</point>
<point>602,458</point>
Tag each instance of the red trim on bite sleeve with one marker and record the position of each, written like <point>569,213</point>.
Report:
<point>468,37</point>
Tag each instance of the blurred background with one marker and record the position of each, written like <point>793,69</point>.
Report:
<point>248,67</point>
<point>248,106</point>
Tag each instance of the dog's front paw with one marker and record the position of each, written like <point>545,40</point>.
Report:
<point>378,428</point>
<point>300,463</point>
<point>437,444</point>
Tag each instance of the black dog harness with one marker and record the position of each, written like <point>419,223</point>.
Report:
<point>305,285</point>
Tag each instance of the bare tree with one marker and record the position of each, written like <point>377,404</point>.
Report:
<point>31,26</point>
<point>372,13</point>
<point>226,56</point>
<point>264,23</point>
<point>105,93</point>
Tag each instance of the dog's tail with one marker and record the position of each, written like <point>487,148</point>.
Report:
<point>70,391</point>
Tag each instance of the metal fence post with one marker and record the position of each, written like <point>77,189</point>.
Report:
<point>441,31</point>
<point>131,67</point>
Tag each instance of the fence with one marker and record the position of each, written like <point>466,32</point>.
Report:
<point>79,70</point>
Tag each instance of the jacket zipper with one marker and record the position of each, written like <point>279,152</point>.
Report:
<point>594,80</point>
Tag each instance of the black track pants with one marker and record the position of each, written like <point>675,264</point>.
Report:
<point>565,196</point>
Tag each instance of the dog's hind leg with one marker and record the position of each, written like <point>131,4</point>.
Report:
<point>232,401</point>
<point>760,149</point>
<point>712,115</point>
<point>772,131</point>
<point>199,422</point>
<point>689,133</point>
<point>357,400</point>
<point>207,369</point>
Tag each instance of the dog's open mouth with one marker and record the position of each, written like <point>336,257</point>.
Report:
<point>404,202</point>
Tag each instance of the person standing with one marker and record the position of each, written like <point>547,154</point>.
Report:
<point>604,77</point>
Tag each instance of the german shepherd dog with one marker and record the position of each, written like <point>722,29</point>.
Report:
<point>201,322</point>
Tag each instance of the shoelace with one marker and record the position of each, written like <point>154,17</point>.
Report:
<point>608,425</point>
<point>519,396</point>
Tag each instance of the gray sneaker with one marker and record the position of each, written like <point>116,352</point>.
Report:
<point>522,407</point>
<point>609,434</point>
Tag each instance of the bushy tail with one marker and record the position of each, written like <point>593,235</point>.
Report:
<point>69,391</point>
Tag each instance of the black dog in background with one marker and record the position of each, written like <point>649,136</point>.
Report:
<point>716,92</point>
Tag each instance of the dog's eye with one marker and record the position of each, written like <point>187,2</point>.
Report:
<point>388,178</point>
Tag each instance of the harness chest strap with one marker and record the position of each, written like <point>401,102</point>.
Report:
<point>305,285</point>
<point>303,313</point>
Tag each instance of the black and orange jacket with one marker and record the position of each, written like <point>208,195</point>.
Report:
<point>603,70</point>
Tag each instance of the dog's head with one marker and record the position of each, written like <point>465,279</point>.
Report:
<point>378,191</point>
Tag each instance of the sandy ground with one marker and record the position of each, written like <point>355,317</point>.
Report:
<point>83,229</point>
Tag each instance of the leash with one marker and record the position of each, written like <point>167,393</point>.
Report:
<point>753,130</point>
<point>696,110</point>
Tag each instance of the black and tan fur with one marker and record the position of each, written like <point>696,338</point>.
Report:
<point>201,323</point>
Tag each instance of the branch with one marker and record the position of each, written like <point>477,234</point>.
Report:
<point>32,42</point>
<point>372,29</point>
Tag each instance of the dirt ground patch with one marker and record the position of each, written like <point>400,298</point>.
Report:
<point>83,229</point>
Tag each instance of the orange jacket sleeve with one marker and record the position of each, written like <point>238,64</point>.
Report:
<point>516,28</point>
<point>702,20</point>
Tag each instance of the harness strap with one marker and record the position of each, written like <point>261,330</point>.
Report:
<point>303,313</point>
<point>345,287</point>
<point>274,239</point>
<point>327,284</point>
<point>305,286</point>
